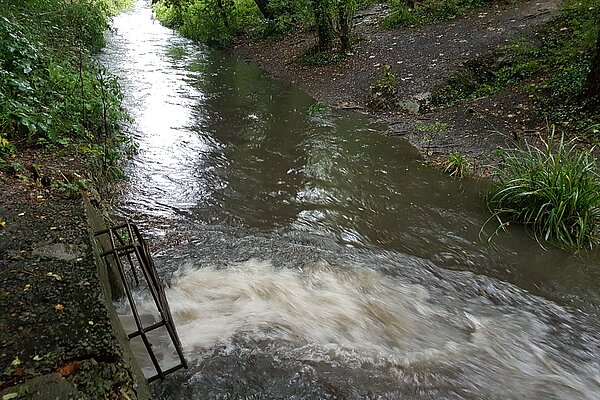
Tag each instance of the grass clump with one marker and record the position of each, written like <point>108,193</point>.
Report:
<point>553,189</point>
<point>457,165</point>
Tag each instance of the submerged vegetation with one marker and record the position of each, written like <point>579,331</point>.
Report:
<point>52,91</point>
<point>554,189</point>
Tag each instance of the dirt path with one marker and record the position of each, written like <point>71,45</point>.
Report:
<point>420,58</point>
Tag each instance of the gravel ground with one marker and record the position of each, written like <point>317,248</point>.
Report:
<point>56,340</point>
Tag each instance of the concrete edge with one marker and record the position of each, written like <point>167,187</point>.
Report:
<point>111,286</point>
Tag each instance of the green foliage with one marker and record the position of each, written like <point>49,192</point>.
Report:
<point>430,11</point>
<point>555,68</point>
<point>457,165</point>
<point>401,15</point>
<point>554,189</point>
<point>102,380</point>
<point>318,108</point>
<point>425,126</point>
<point>287,16</point>
<point>168,15</point>
<point>52,92</point>
<point>384,93</point>
<point>214,22</point>
<point>72,190</point>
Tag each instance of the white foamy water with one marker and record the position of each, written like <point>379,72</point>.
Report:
<point>360,318</point>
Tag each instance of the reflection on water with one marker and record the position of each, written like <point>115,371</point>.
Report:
<point>310,256</point>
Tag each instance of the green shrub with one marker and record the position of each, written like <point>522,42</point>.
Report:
<point>212,22</point>
<point>384,93</point>
<point>287,17</point>
<point>554,190</point>
<point>52,91</point>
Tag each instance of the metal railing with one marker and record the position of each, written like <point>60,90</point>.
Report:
<point>123,246</point>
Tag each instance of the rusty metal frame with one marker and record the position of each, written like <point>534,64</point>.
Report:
<point>128,247</point>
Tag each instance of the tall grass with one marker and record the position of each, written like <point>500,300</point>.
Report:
<point>553,189</point>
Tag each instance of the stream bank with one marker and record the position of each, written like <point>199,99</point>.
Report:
<point>59,338</point>
<point>421,59</point>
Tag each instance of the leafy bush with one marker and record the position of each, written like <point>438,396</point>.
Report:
<point>52,92</point>
<point>287,16</point>
<point>384,93</point>
<point>554,190</point>
<point>214,22</point>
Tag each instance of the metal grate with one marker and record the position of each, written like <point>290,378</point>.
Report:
<point>127,247</point>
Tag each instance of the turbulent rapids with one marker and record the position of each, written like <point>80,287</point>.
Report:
<point>440,344</point>
<point>310,257</point>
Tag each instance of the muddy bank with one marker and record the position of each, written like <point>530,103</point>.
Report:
<point>421,58</point>
<point>56,337</point>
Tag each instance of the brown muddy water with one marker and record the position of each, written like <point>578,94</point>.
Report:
<point>309,256</point>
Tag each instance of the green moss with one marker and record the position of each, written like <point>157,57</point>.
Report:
<point>436,126</point>
<point>430,11</point>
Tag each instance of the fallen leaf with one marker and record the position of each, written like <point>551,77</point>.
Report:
<point>69,368</point>
<point>37,358</point>
<point>16,362</point>
<point>53,275</point>
<point>59,307</point>
<point>10,396</point>
<point>2,224</point>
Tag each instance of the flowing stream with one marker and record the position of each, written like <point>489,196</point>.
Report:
<point>309,256</point>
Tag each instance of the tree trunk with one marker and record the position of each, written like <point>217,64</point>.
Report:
<point>344,19</point>
<point>324,24</point>
<point>223,12</point>
<point>593,79</point>
<point>263,6</point>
